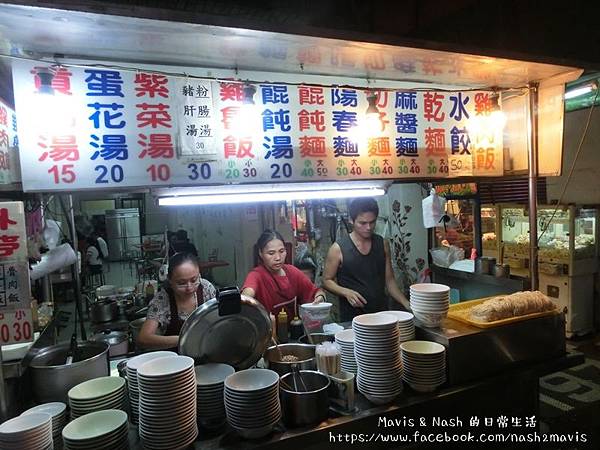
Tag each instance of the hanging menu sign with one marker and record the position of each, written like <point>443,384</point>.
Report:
<point>15,292</point>
<point>90,128</point>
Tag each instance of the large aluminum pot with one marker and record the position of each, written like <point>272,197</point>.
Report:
<point>304,352</point>
<point>304,398</point>
<point>52,378</point>
<point>118,341</point>
<point>105,310</point>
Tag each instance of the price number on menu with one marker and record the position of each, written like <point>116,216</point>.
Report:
<point>16,326</point>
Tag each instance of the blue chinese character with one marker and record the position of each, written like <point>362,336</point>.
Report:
<point>406,146</point>
<point>113,146</point>
<point>104,83</point>
<point>15,142</point>
<point>107,116</point>
<point>279,147</point>
<point>342,146</point>
<point>406,100</point>
<point>458,106</point>
<point>406,123</point>
<point>274,94</point>
<point>460,138</point>
<point>14,122</point>
<point>280,118</point>
<point>344,97</point>
<point>344,120</point>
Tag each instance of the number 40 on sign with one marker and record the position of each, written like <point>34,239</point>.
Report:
<point>16,326</point>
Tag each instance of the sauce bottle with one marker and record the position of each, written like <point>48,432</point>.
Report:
<point>282,327</point>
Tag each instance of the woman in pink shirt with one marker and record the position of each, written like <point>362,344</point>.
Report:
<point>277,285</point>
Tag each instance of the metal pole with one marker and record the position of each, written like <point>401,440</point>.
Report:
<point>74,268</point>
<point>3,394</point>
<point>533,177</point>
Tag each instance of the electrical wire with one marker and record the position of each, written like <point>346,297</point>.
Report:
<point>573,164</point>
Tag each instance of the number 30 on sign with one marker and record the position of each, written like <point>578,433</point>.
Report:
<point>16,326</point>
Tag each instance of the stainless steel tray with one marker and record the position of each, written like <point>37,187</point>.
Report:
<point>236,339</point>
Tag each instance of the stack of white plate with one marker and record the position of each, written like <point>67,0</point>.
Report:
<point>96,395</point>
<point>101,430</point>
<point>252,402</point>
<point>210,383</point>
<point>28,432</point>
<point>430,303</point>
<point>406,324</point>
<point>377,352</point>
<point>345,339</point>
<point>167,408</point>
<point>424,365</point>
<point>132,383</point>
<point>58,412</point>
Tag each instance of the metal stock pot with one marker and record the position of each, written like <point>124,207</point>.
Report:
<point>52,378</point>
<point>105,310</point>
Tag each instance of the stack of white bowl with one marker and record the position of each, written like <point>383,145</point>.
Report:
<point>345,339</point>
<point>96,395</point>
<point>430,303</point>
<point>252,402</point>
<point>424,365</point>
<point>167,408</point>
<point>58,412</point>
<point>210,384</point>
<point>101,430</point>
<point>28,432</point>
<point>406,324</point>
<point>132,383</point>
<point>377,352</point>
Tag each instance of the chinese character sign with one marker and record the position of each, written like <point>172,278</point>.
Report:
<point>13,240</point>
<point>90,128</point>
<point>8,145</point>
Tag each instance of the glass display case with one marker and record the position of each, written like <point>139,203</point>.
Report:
<point>489,230</point>
<point>565,234</point>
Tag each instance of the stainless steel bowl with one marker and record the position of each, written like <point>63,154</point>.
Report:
<point>304,352</point>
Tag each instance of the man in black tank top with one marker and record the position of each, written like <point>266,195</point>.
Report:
<point>358,268</point>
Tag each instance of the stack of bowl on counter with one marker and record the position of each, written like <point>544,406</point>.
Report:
<point>172,398</point>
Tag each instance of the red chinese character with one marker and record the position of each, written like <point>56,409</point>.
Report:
<point>3,139</point>
<point>382,99</point>
<point>485,159</point>
<point>19,314</point>
<point>237,149</point>
<point>431,66</point>
<point>230,116</point>
<point>160,146</point>
<point>231,91</point>
<point>153,115</point>
<point>483,104</point>
<point>56,78</point>
<point>151,84</point>
<point>62,148</point>
<point>3,116</point>
<point>374,61</point>
<point>309,55</point>
<point>309,95</point>
<point>312,147</point>
<point>379,146</point>
<point>435,142</point>
<point>433,106</point>
<point>8,245</point>
<point>5,220</point>
<point>307,119</point>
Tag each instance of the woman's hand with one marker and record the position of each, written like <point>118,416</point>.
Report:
<point>319,298</point>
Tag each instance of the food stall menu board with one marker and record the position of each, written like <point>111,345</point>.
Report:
<point>103,128</point>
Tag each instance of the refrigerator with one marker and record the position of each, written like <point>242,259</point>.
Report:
<point>123,233</point>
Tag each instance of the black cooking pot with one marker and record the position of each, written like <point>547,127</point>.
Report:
<point>104,311</point>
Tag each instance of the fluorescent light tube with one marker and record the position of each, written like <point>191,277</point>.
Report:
<point>270,196</point>
<point>578,91</point>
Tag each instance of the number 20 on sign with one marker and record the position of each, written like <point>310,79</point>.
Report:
<point>16,326</point>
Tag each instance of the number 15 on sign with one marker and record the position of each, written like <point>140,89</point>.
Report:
<point>16,326</point>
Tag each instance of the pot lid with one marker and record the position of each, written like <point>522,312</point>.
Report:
<point>237,339</point>
<point>110,337</point>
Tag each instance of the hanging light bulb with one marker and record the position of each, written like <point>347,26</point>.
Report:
<point>248,123</point>
<point>489,125</point>
<point>372,115</point>
<point>497,116</point>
